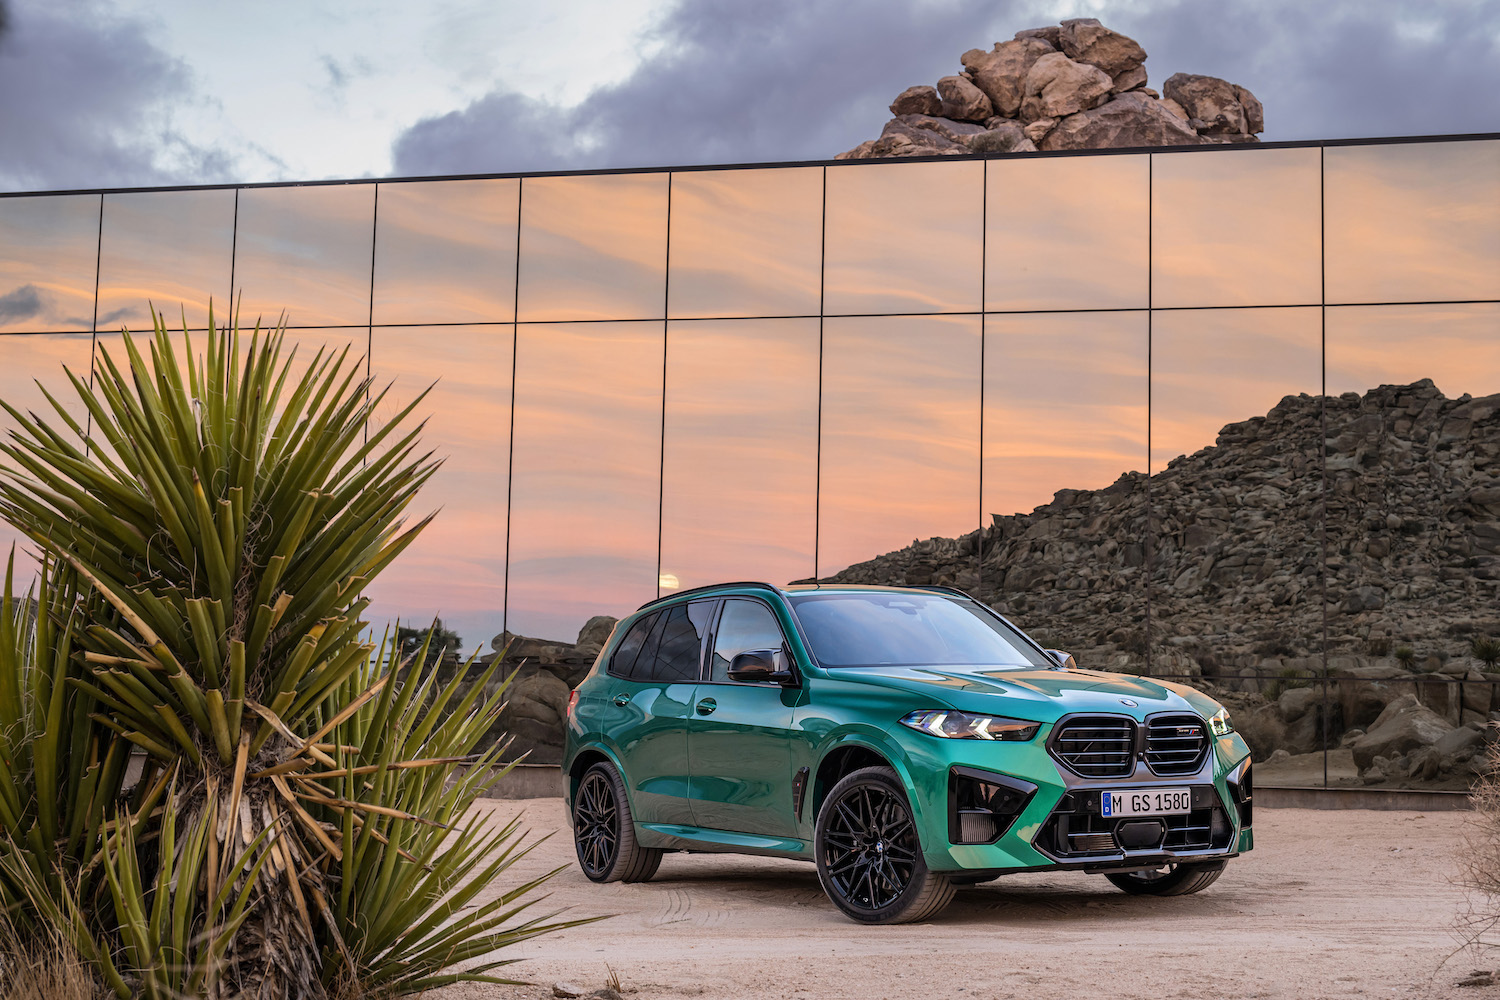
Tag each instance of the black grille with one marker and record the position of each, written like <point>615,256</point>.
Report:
<point>1080,834</point>
<point>1176,744</point>
<point>1096,746</point>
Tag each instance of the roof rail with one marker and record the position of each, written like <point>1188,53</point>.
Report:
<point>711,586</point>
<point>946,590</point>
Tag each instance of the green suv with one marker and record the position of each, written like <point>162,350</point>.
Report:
<point>906,740</point>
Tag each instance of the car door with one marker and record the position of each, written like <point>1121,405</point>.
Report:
<point>738,734</point>
<point>652,703</point>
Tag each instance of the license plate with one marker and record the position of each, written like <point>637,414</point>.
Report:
<point>1146,802</point>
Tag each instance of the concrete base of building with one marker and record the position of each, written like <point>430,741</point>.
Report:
<point>1284,797</point>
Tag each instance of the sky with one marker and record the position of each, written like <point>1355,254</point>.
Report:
<point>106,93</point>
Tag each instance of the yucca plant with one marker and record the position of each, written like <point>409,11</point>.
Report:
<point>231,516</point>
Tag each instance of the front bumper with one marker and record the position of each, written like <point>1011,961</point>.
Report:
<point>1052,817</point>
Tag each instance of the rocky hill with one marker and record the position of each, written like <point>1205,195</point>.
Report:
<point>1074,85</point>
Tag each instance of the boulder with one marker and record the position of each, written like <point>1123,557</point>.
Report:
<point>927,130</point>
<point>1175,108</point>
<point>1405,725</point>
<point>1085,40</point>
<point>1057,86</point>
<point>962,101</point>
<point>1001,73</point>
<point>1212,101</point>
<point>1004,139</point>
<point>918,100</point>
<point>1051,34</point>
<point>541,696</point>
<point>594,634</point>
<point>1129,121</point>
<point>1131,79</point>
<point>1294,702</point>
<point>1255,114</point>
<point>1459,740</point>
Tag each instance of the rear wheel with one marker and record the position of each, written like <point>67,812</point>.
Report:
<point>604,833</point>
<point>869,856</point>
<point>1169,880</point>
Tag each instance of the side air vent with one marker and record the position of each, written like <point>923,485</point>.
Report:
<point>1096,746</point>
<point>1176,744</point>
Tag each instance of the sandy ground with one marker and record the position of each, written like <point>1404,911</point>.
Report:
<point>1329,904</point>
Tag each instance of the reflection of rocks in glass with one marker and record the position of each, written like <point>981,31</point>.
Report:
<point>1237,577</point>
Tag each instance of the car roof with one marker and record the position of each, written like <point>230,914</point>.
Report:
<point>714,589</point>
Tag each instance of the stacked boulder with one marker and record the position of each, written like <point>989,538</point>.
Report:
<point>1077,85</point>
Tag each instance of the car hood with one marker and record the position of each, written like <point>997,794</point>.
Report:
<point>1037,695</point>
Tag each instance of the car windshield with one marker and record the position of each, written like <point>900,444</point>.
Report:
<point>908,630</point>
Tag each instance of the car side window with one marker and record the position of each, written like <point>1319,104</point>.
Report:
<point>676,646</point>
<point>743,626</point>
<point>622,663</point>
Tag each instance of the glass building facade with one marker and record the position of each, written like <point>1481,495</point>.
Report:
<point>652,380</point>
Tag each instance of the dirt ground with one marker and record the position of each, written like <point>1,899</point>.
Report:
<point>1329,904</point>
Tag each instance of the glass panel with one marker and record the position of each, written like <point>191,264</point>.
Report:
<point>1235,228</point>
<point>585,490</point>
<point>593,247</point>
<point>1065,418</point>
<point>904,238</point>
<point>30,359</point>
<point>740,474</point>
<point>1413,456</point>
<point>1418,222</point>
<point>49,249</point>
<point>456,569</point>
<point>1236,504</point>
<point>900,451</point>
<point>1067,233</point>
<point>445,252</point>
<point>305,251</point>
<point>171,249</point>
<point>746,242</point>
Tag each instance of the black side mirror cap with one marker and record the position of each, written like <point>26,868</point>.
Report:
<point>761,666</point>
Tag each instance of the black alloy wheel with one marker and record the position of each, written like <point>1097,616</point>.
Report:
<point>868,853</point>
<point>604,833</point>
<point>1169,880</point>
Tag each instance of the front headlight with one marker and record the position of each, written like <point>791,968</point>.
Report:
<point>1220,725</point>
<point>953,725</point>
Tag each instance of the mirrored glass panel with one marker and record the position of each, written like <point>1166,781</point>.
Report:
<point>900,443</point>
<point>1236,227</point>
<point>585,488</point>
<point>305,251</point>
<point>456,569</point>
<point>170,249</point>
<point>1236,504</point>
<point>739,480</point>
<point>593,248</point>
<point>1067,232</point>
<point>29,359</point>
<point>746,242</point>
<point>1417,222</point>
<point>49,251</point>
<point>1064,480</point>
<point>445,252</point>
<point>1413,431</point>
<point>904,237</point>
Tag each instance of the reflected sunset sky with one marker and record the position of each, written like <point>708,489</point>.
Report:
<point>305,251</point>
<point>170,249</point>
<point>1457,346</point>
<point>593,248</point>
<point>446,252</point>
<point>49,250</point>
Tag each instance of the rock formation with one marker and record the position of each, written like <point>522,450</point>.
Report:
<point>1077,85</point>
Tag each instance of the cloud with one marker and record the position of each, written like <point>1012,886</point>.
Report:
<point>786,80</point>
<point>89,101</point>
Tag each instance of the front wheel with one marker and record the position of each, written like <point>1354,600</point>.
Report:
<point>604,833</point>
<point>1169,880</point>
<point>869,856</point>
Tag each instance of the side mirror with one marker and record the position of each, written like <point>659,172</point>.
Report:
<point>1064,660</point>
<point>760,666</point>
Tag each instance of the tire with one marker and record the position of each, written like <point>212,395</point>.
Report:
<point>1173,880</point>
<point>604,832</point>
<point>869,855</point>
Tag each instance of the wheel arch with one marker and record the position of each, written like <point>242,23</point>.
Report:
<point>849,754</point>
<point>585,758</point>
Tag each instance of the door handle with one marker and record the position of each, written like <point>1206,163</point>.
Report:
<point>622,700</point>
<point>707,706</point>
